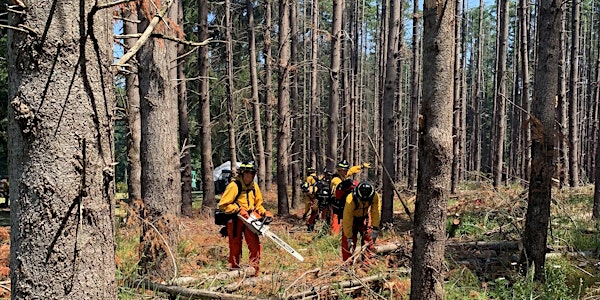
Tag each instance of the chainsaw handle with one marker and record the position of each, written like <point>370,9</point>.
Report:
<point>267,220</point>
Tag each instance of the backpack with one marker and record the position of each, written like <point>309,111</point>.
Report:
<point>342,190</point>
<point>323,192</point>
<point>221,218</point>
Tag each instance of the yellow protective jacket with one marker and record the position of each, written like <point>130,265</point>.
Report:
<point>250,198</point>
<point>359,209</point>
<point>337,179</point>
<point>311,179</point>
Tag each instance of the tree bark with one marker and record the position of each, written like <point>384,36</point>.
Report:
<point>435,151</point>
<point>283,109</point>
<point>574,98</point>
<point>184,128</point>
<point>314,107</point>
<point>596,208</point>
<point>60,139</point>
<point>134,167</point>
<point>229,87</point>
<point>389,98</point>
<point>161,190</point>
<point>500,97</point>
<point>334,84</point>
<point>268,98</point>
<point>543,136</point>
<point>525,101</point>
<point>294,98</point>
<point>205,140</point>
<point>414,101</point>
<point>260,148</point>
<point>456,117</point>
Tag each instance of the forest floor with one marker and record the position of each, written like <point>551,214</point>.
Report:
<point>483,227</point>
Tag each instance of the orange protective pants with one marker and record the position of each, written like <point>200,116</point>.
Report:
<point>359,225</point>
<point>335,222</point>
<point>235,230</point>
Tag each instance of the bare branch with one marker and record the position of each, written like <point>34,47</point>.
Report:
<point>166,37</point>
<point>20,28</point>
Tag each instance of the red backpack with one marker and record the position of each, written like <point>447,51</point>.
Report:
<point>342,191</point>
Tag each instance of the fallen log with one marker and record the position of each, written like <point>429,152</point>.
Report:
<point>186,293</point>
<point>337,285</point>
<point>246,282</point>
<point>492,245</point>
<point>189,281</point>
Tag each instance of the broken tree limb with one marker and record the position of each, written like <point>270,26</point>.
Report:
<point>166,37</point>
<point>187,293</point>
<point>316,271</point>
<point>406,210</point>
<point>337,285</point>
<point>387,248</point>
<point>144,37</point>
<point>188,281</point>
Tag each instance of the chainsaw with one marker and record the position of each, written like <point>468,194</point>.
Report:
<point>260,226</point>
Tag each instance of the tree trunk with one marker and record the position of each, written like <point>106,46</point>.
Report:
<point>161,190</point>
<point>205,140</point>
<point>184,128</point>
<point>314,107</point>
<point>456,117</point>
<point>61,152</point>
<point>283,109</point>
<point>596,208</point>
<point>260,148</point>
<point>389,98</point>
<point>414,101</point>
<point>134,167</point>
<point>500,102</point>
<point>268,98</point>
<point>295,157</point>
<point>543,136</point>
<point>435,152</point>
<point>525,102</point>
<point>334,83</point>
<point>574,98</point>
<point>229,87</point>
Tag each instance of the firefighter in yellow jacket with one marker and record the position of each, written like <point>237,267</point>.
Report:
<point>243,202</point>
<point>362,216</point>
<point>343,171</point>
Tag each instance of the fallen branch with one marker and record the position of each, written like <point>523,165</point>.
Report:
<point>492,245</point>
<point>188,293</point>
<point>166,37</point>
<point>338,285</point>
<point>189,281</point>
<point>316,271</point>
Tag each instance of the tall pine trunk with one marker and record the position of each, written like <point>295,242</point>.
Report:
<point>229,86</point>
<point>132,85</point>
<point>161,189</point>
<point>500,97</point>
<point>414,101</point>
<point>574,98</point>
<point>334,83</point>
<point>315,104</point>
<point>260,148</point>
<point>283,109</point>
<point>268,98</point>
<point>543,131</point>
<point>205,140</point>
<point>60,145</point>
<point>184,128</point>
<point>295,134</point>
<point>435,152</point>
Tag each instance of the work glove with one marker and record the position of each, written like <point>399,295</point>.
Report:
<point>244,213</point>
<point>365,166</point>
<point>374,234</point>
<point>350,244</point>
<point>267,214</point>
<point>304,216</point>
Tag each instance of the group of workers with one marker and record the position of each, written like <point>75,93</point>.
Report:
<point>359,216</point>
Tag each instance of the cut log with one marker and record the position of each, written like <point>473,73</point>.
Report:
<point>186,293</point>
<point>338,285</point>
<point>189,281</point>
<point>246,282</point>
